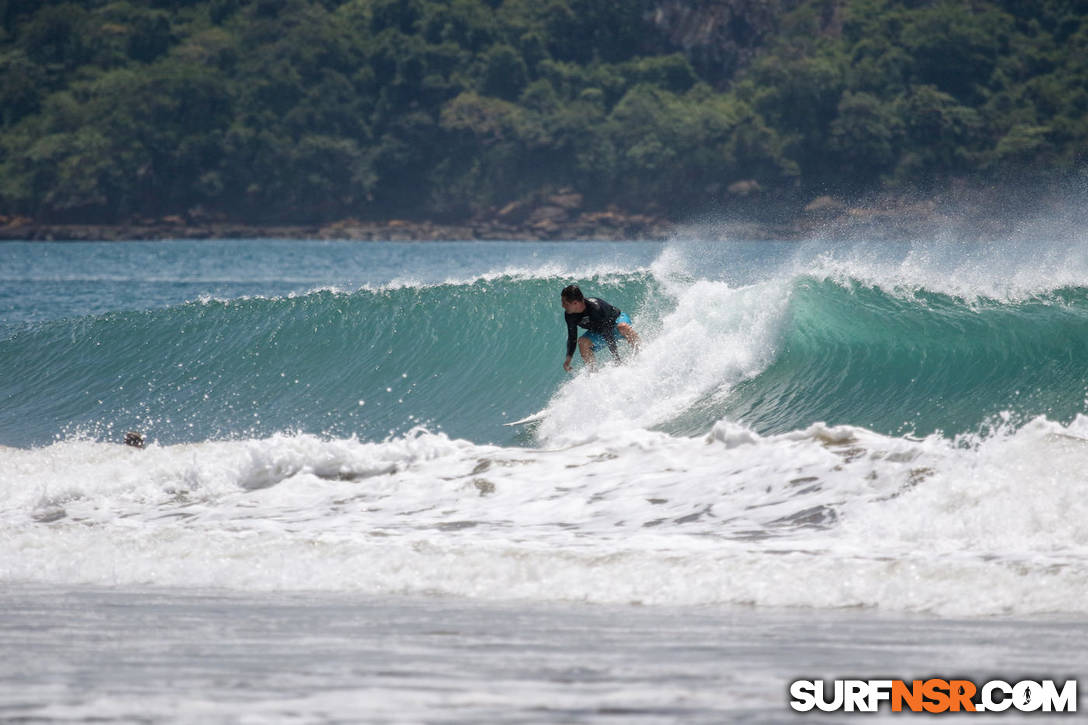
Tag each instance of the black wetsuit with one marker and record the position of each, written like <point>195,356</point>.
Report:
<point>599,317</point>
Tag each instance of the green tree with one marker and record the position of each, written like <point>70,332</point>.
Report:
<point>865,137</point>
<point>21,86</point>
<point>506,74</point>
<point>941,136</point>
<point>799,98</point>
<point>54,36</point>
<point>956,48</point>
<point>308,109</point>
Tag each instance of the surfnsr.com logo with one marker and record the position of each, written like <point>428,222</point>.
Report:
<point>934,695</point>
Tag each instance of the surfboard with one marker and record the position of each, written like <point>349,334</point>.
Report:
<point>529,419</point>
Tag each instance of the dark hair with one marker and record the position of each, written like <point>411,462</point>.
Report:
<point>571,293</point>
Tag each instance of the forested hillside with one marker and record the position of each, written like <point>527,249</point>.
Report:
<point>315,110</point>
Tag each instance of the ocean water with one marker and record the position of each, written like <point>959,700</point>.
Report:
<point>872,439</point>
<point>125,654</point>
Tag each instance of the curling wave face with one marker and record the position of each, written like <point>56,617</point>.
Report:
<point>467,357</point>
<point>804,426</point>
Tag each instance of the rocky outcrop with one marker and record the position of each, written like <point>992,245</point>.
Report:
<point>973,212</point>
<point>548,222</point>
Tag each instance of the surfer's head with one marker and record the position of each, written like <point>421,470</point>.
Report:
<point>134,439</point>
<point>572,299</point>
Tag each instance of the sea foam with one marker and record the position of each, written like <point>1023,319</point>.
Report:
<point>822,517</point>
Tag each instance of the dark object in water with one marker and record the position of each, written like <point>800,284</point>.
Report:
<point>134,439</point>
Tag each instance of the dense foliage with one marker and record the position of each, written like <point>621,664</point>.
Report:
<point>304,110</point>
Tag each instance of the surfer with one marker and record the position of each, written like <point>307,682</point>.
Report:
<point>600,319</point>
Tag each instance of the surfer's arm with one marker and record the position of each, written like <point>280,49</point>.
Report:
<point>572,337</point>
<point>572,342</point>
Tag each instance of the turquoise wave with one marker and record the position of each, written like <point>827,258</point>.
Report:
<point>918,362</point>
<point>464,358</point>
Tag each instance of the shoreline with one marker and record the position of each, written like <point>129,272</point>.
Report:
<point>561,219</point>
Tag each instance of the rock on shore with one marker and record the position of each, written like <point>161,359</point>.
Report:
<point>561,216</point>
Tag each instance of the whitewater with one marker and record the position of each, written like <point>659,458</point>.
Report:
<point>823,427</point>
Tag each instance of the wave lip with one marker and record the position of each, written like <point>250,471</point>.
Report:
<point>777,355</point>
<point>780,356</point>
<point>920,361</point>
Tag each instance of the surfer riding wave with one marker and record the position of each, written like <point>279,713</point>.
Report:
<point>601,320</point>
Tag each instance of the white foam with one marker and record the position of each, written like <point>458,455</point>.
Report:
<point>720,309</point>
<point>1010,270</point>
<point>823,517</point>
<point>715,336</point>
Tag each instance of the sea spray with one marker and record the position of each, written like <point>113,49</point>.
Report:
<point>828,425</point>
<point>467,357</point>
